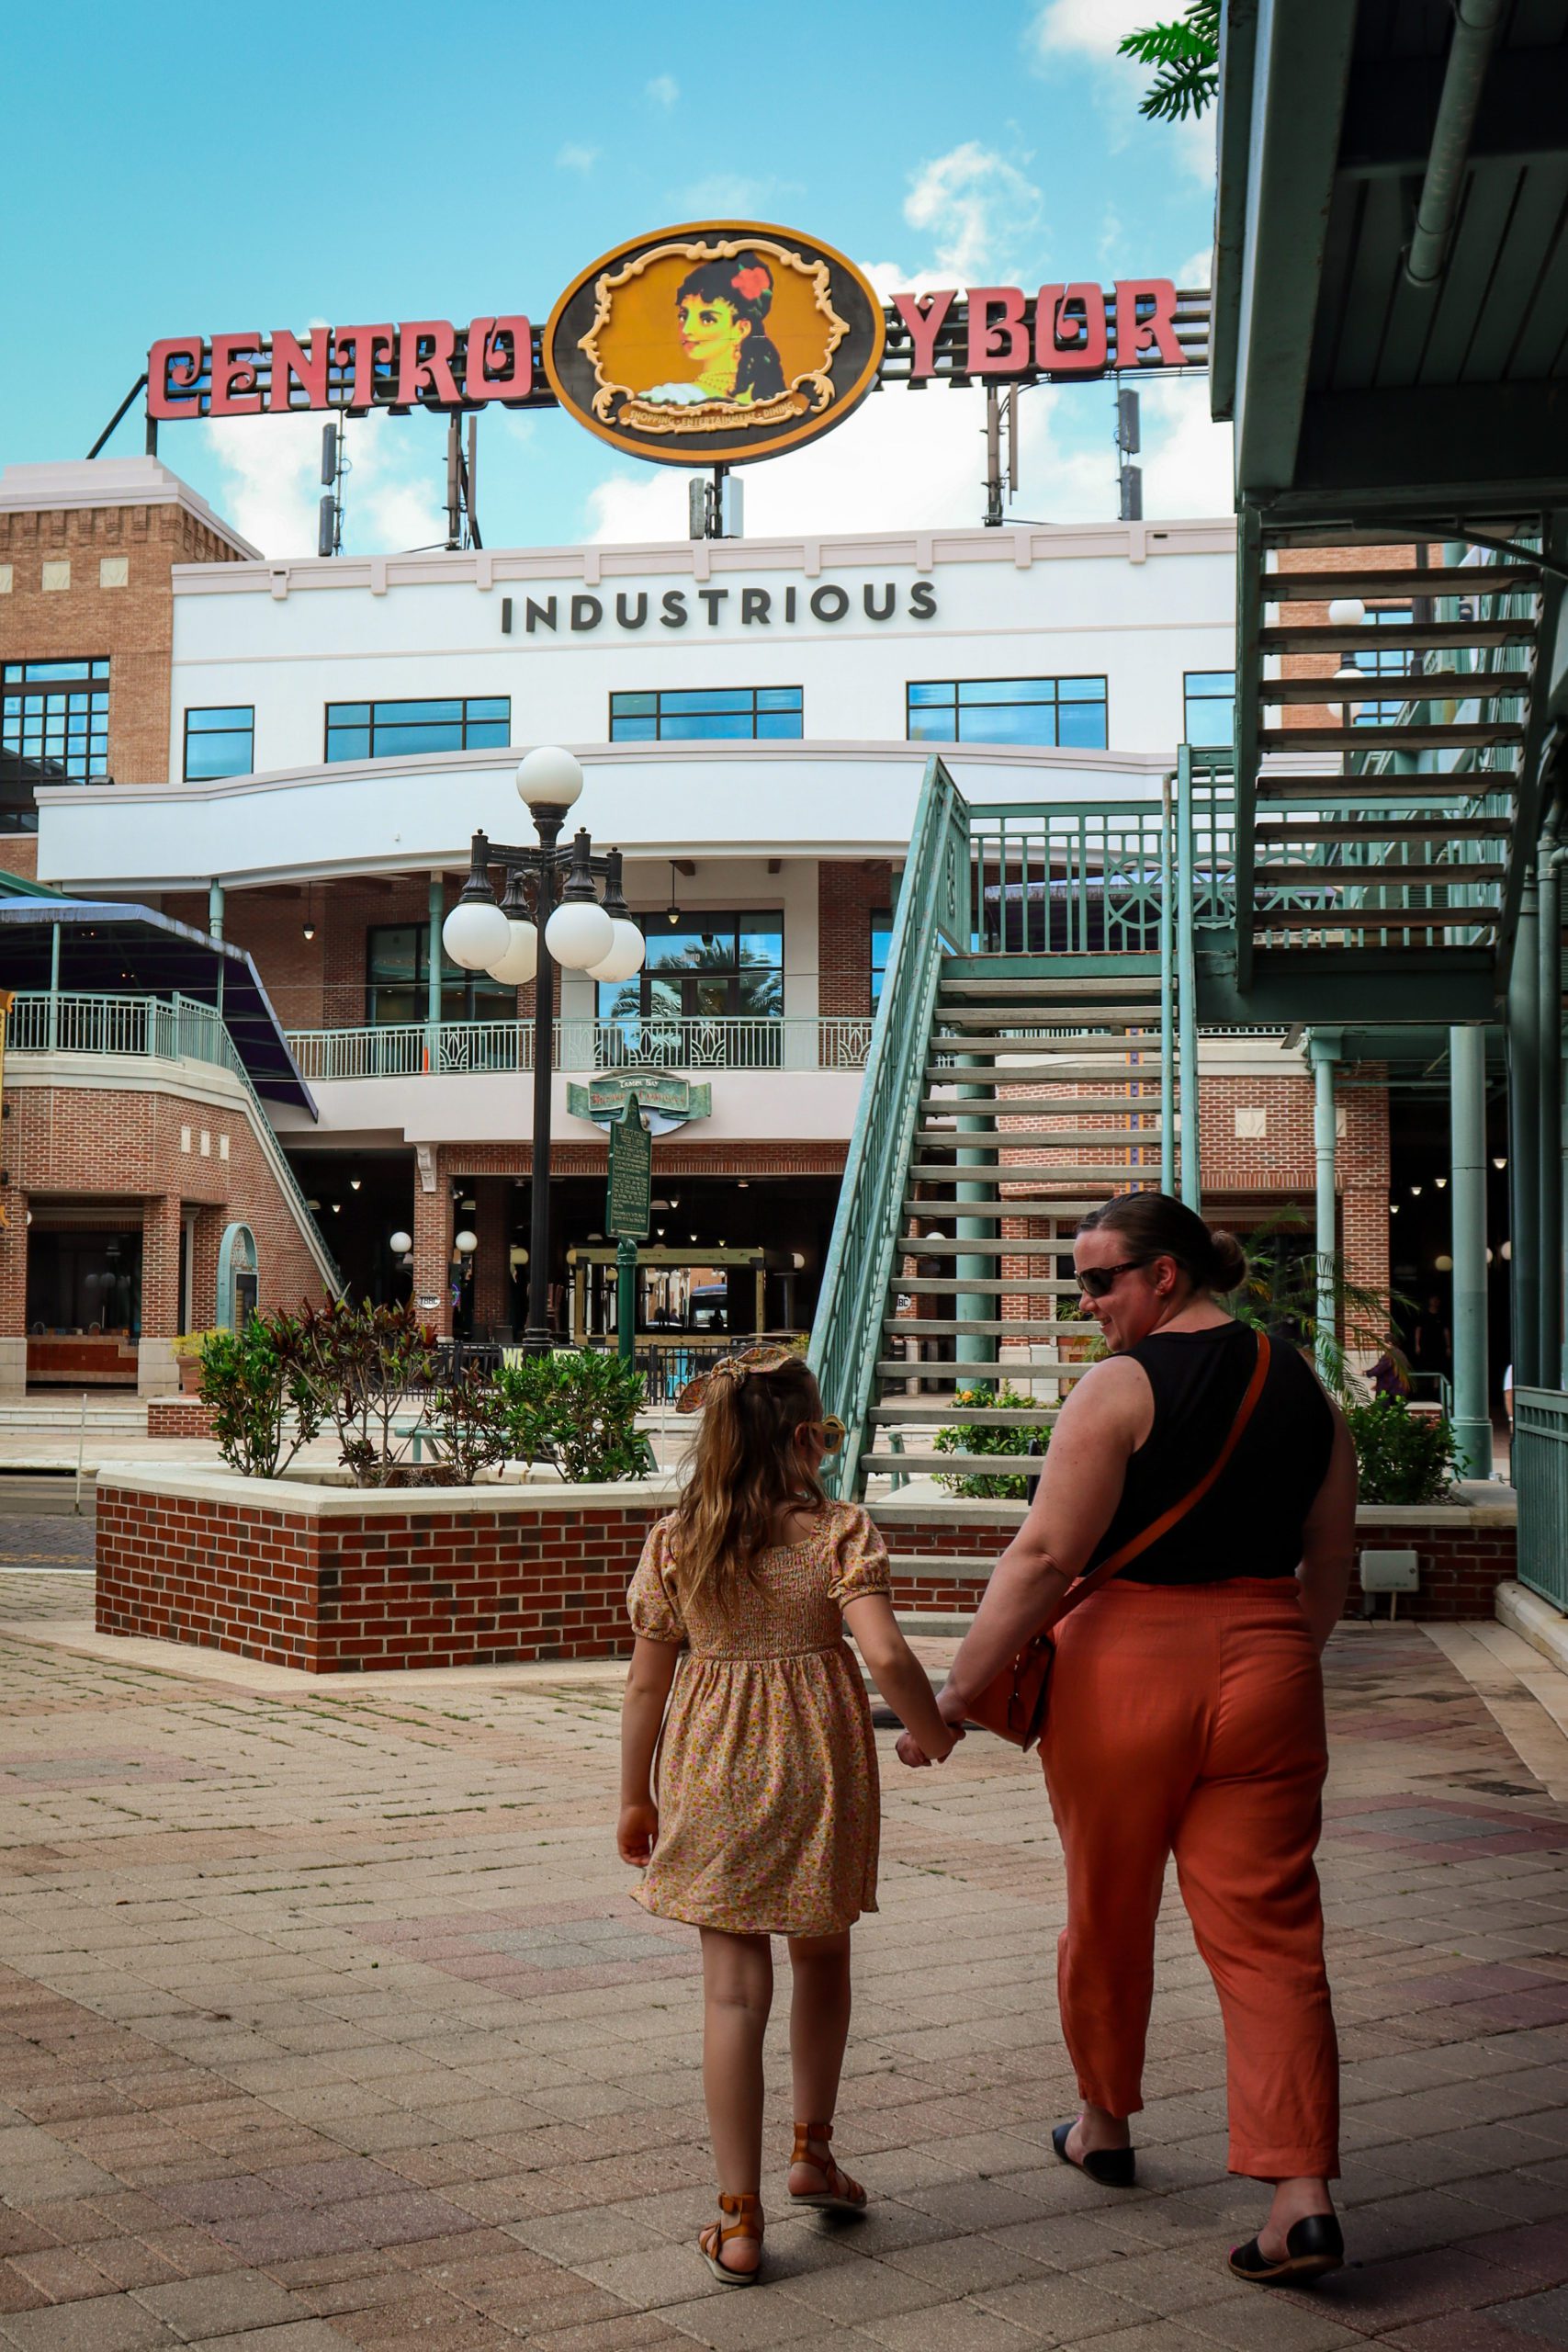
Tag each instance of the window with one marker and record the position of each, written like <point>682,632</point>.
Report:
<point>881,941</point>
<point>387,731</point>
<point>54,720</point>
<point>705,966</point>
<point>1382,661</point>
<point>397,981</point>
<point>1208,709</point>
<point>220,742</point>
<point>1068,711</point>
<point>751,713</point>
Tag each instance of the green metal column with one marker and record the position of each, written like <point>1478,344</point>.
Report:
<point>54,987</point>
<point>625,1300</point>
<point>1549,1106</point>
<point>1324,1052</point>
<point>1187,983</point>
<point>1467,1193</point>
<point>1166,993</point>
<point>215,927</point>
<point>437,905</point>
<point>1523,1137</point>
<point>978,1307</point>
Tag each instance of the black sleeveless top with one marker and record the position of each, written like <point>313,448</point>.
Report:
<point>1249,1523</point>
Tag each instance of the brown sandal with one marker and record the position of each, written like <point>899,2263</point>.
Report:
<point>748,2224</point>
<point>840,2194</point>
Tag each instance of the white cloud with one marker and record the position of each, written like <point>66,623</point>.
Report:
<point>977,209</point>
<point>909,460</point>
<point>572,158</point>
<point>272,489</point>
<point>1086,27</point>
<point>664,89</point>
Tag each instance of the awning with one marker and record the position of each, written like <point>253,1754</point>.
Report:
<point>109,947</point>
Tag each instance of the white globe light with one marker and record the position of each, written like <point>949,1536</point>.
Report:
<point>467,1242</point>
<point>548,777</point>
<point>400,1244</point>
<point>580,934</point>
<point>626,954</point>
<point>476,934</point>
<point>521,961</point>
<point>1347,612</point>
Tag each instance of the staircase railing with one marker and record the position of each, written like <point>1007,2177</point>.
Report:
<point>932,918</point>
<point>1540,1478</point>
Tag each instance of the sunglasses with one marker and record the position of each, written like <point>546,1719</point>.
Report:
<point>1098,1282</point>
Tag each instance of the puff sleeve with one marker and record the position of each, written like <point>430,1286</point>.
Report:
<point>652,1602</point>
<point>860,1559</point>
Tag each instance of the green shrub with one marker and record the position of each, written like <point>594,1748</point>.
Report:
<point>976,1437</point>
<point>578,1410</point>
<point>253,1383</point>
<point>1405,1457</point>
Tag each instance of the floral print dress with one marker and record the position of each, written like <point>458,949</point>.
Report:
<point>769,1802</point>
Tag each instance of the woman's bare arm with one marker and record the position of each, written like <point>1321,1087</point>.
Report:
<point>1328,1536</point>
<point>1103,1422</point>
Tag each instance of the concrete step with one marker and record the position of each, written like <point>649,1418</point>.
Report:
<point>939,1246</point>
<point>927,1411</point>
<point>996,1465</point>
<point>1082,1106</point>
<point>1065,1072</point>
<point>958,980</point>
<point>988,1042</point>
<point>1043,1206</point>
<point>930,1328</point>
<point>1032,1172</point>
<point>1331,636</point>
<point>1431,685</point>
<point>966,1286</point>
<point>1409,735</point>
<point>1340,878</point>
<point>1059,1138</point>
<point>1371,579</point>
<point>1051,1016</point>
<point>1375,918</point>
<point>965,1371</point>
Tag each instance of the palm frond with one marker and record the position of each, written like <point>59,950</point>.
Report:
<point>1187,51</point>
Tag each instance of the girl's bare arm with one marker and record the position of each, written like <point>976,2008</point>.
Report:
<point>648,1678</point>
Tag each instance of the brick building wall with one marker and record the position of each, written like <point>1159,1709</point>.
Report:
<point>1308,614</point>
<point>849,892</point>
<point>137,1152</point>
<point>109,593</point>
<point>495,1579</point>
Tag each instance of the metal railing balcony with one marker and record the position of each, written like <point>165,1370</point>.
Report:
<point>153,1028</point>
<point>469,1049</point>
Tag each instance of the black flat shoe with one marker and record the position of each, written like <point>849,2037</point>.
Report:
<point>1313,2248</point>
<point>1112,2167</point>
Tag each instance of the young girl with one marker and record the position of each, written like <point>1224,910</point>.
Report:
<point>767,1814</point>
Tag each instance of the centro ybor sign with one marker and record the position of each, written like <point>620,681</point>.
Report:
<point>716,343</point>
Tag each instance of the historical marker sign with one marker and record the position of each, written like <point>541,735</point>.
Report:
<point>628,1206</point>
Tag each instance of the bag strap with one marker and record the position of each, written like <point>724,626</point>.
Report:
<point>1126,1553</point>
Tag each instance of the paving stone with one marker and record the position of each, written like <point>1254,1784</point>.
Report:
<point>222,2305</point>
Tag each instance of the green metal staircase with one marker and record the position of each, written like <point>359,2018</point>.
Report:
<point>1023,1068</point>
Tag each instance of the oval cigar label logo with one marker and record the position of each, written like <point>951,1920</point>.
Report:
<point>714,344</point>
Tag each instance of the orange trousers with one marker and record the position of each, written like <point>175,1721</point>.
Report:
<point>1187,1720</point>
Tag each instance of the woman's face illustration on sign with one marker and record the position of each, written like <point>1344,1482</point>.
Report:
<point>720,344</point>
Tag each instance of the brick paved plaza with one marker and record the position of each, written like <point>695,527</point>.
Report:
<point>327,2022</point>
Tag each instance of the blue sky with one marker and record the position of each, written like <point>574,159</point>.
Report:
<point>243,169</point>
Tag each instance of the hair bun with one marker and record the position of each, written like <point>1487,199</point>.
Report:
<point>1228,1267</point>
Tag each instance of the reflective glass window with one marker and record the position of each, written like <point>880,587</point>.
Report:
<point>54,729</point>
<point>705,966</point>
<point>397,981</point>
<point>1208,701</point>
<point>387,731</point>
<point>219,741</point>
<point>695,714</point>
<point>1048,711</point>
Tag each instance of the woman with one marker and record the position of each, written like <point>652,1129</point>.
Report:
<point>721,310</point>
<point>1185,1708</point>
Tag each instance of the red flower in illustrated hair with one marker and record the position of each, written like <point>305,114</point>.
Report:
<point>751,283</point>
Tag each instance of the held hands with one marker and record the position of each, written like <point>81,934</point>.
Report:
<point>636,1833</point>
<point>911,1753</point>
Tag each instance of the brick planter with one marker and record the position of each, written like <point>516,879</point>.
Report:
<point>337,1580</point>
<point>178,1417</point>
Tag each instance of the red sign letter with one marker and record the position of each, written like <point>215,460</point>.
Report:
<point>425,356</point>
<point>491,342</point>
<point>998,340</point>
<point>1134,333</point>
<point>290,366</point>
<point>174,371</point>
<point>924,326</point>
<point>1069,330</point>
<point>235,380</point>
<point>356,349</point>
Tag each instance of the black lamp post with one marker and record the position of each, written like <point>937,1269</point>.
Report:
<point>524,937</point>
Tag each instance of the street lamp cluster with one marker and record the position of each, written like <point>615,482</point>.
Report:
<point>525,935</point>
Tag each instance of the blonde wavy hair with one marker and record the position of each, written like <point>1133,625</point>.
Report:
<point>747,1469</point>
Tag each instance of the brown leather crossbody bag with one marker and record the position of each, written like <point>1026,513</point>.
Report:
<point>1014,1703</point>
